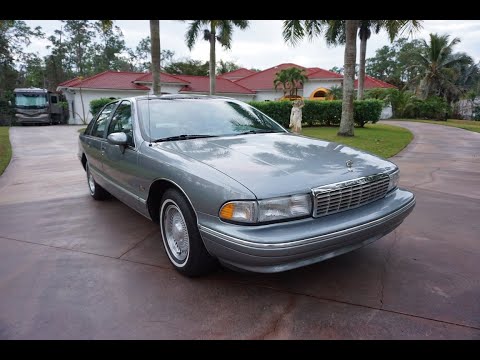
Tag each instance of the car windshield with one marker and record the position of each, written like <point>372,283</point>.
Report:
<point>167,118</point>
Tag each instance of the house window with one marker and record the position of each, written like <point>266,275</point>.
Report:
<point>319,94</point>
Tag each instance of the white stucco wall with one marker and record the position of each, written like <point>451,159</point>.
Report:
<point>312,84</point>
<point>386,112</point>
<point>75,110</point>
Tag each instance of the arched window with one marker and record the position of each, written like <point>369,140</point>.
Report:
<point>319,94</point>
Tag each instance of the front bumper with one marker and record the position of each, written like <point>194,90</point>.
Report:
<point>284,246</point>
<point>42,118</point>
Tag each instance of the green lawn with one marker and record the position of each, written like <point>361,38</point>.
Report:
<point>379,139</point>
<point>462,124</point>
<point>5,148</point>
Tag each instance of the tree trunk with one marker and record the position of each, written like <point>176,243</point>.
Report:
<point>155,50</point>
<point>361,69</point>
<point>346,123</point>
<point>212,59</point>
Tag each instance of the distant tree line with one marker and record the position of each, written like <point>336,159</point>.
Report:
<point>80,48</point>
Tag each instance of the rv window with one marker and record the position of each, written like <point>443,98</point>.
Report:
<point>53,99</point>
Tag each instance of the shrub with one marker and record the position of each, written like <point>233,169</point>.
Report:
<point>433,108</point>
<point>367,110</point>
<point>328,112</point>
<point>277,110</point>
<point>97,104</point>
<point>7,112</point>
<point>476,113</point>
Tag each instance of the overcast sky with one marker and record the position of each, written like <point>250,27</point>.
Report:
<point>261,45</point>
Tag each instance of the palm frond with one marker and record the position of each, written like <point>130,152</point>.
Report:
<point>192,33</point>
<point>225,33</point>
<point>293,31</point>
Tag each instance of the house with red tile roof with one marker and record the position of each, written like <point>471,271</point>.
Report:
<point>237,74</point>
<point>242,84</point>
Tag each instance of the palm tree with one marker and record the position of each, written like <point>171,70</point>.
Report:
<point>281,78</point>
<point>439,67</point>
<point>294,30</point>
<point>290,79</point>
<point>346,122</point>
<point>224,29</point>
<point>155,50</point>
<point>335,35</point>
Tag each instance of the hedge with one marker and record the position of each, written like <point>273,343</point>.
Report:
<point>328,112</point>
<point>97,104</point>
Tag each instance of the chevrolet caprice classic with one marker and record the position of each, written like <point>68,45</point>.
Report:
<point>226,183</point>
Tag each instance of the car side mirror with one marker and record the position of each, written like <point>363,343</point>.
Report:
<point>118,138</point>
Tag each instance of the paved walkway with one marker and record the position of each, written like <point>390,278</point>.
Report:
<point>71,267</point>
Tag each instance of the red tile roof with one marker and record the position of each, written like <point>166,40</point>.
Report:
<point>237,74</point>
<point>263,80</point>
<point>202,84</point>
<point>164,78</point>
<point>324,74</point>
<point>119,80</point>
<point>371,83</point>
<point>70,83</point>
<point>312,70</point>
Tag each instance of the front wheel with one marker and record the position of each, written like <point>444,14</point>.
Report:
<point>181,238</point>
<point>96,191</point>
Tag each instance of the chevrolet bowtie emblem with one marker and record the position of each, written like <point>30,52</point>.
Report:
<point>349,164</point>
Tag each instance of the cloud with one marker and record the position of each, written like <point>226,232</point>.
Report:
<point>262,46</point>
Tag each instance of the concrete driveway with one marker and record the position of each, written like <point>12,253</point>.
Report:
<point>71,267</point>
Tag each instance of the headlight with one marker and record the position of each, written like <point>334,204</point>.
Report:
<point>268,210</point>
<point>284,208</point>
<point>394,178</point>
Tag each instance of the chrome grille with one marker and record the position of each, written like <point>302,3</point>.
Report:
<point>334,198</point>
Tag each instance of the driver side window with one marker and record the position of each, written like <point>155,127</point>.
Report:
<point>122,122</point>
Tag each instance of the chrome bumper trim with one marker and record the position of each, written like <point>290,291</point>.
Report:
<point>292,244</point>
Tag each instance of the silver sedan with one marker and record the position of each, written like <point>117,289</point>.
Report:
<point>226,183</point>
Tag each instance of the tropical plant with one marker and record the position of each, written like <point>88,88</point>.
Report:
<point>291,79</point>
<point>402,102</point>
<point>335,93</point>
<point>220,30</point>
<point>439,67</point>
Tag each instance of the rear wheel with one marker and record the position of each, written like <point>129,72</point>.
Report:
<point>181,238</point>
<point>96,191</point>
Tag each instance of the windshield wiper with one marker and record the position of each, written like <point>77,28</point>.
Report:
<point>183,137</point>
<point>257,131</point>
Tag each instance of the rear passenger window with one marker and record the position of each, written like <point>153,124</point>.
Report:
<point>102,121</point>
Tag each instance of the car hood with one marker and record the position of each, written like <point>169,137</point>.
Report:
<point>280,163</point>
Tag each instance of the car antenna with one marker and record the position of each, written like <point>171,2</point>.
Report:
<point>149,128</point>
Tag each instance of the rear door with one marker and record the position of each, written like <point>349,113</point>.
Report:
<point>95,141</point>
